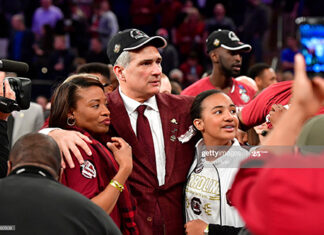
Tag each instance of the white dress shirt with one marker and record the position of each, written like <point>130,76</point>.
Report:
<point>153,115</point>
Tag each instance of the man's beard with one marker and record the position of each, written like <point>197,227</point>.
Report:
<point>229,73</point>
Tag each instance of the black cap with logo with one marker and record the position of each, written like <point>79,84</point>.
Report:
<point>131,39</point>
<point>226,39</point>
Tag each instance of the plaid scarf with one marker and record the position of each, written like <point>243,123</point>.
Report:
<point>126,205</point>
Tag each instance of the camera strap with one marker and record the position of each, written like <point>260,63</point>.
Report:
<point>8,105</point>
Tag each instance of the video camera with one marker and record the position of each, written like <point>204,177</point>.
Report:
<point>21,87</point>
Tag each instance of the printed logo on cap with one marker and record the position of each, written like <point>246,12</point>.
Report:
<point>233,36</point>
<point>216,42</point>
<point>117,48</point>
<point>88,170</point>
<point>135,33</point>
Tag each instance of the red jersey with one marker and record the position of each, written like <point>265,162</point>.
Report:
<point>91,178</point>
<point>256,111</point>
<point>240,93</point>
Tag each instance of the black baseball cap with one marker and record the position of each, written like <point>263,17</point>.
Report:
<point>131,39</point>
<point>226,39</point>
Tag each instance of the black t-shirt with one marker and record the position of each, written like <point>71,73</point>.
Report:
<point>34,204</point>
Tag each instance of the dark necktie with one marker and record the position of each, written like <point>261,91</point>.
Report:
<point>144,134</point>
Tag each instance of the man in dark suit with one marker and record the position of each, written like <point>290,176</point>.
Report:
<point>156,181</point>
<point>159,171</point>
<point>33,202</point>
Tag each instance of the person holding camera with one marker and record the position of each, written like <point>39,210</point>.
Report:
<point>26,116</point>
<point>7,92</point>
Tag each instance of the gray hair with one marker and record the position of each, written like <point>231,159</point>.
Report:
<point>123,59</point>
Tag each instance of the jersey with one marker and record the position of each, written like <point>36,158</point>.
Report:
<point>240,93</point>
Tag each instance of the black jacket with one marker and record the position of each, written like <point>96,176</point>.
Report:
<point>4,148</point>
<point>36,204</point>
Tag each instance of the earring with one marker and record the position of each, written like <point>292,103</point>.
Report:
<point>70,121</point>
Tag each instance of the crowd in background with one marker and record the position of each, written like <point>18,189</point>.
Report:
<point>55,36</point>
<point>73,46</point>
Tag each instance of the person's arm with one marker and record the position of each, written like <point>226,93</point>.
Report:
<point>86,183</point>
<point>123,154</point>
<point>198,227</point>
<point>68,141</point>
<point>253,113</point>
<point>307,99</point>
<point>4,141</point>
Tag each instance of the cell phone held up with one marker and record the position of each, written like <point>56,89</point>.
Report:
<point>310,34</point>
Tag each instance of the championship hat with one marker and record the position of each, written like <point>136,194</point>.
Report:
<point>226,39</point>
<point>129,40</point>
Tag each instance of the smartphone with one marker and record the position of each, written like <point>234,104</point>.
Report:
<point>310,34</point>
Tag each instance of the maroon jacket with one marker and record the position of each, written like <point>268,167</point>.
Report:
<point>143,180</point>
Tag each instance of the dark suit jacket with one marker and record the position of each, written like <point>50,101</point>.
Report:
<point>143,180</point>
<point>38,205</point>
<point>4,148</point>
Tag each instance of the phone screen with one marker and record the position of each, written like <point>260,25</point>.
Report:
<point>312,46</point>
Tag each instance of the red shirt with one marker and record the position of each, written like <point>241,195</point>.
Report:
<point>90,178</point>
<point>241,94</point>
<point>285,196</point>
<point>256,111</point>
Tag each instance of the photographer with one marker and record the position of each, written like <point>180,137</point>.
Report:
<point>4,142</point>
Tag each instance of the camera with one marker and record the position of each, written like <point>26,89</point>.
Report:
<point>21,87</point>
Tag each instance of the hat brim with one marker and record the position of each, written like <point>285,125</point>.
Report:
<point>157,41</point>
<point>238,47</point>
